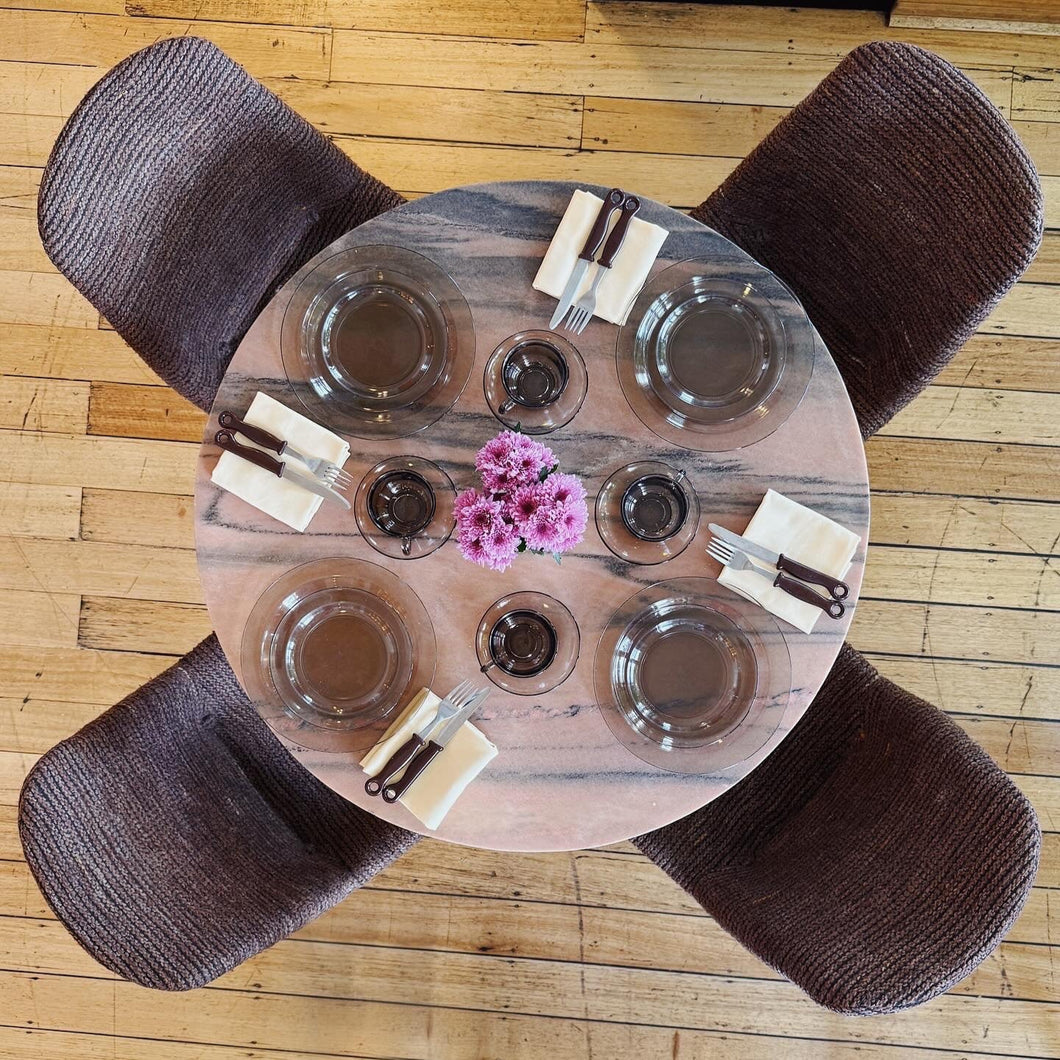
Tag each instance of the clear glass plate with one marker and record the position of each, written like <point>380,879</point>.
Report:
<point>377,341</point>
<point>332,649</point>
<point>690,678</point>
<point>711,363</point>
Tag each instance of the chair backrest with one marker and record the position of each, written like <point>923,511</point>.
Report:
<point>175,837</point>
<point>181,193</point>
<point>899,206</point>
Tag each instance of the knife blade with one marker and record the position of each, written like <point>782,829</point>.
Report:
<point>838,590</point>
<point>437,743</point>
<point>593,243</point>
<point>226,440</point>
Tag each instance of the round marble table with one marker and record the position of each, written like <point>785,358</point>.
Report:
<point>560,781</point>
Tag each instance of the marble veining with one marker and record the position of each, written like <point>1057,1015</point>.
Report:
<point>560,780</point>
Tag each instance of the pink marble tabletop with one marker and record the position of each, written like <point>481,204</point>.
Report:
<point>560,781</point>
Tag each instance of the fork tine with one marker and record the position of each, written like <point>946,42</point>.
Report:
<point>720,557</point>
<point>586,317</point>
<point>578,322</point>
<point>722,546</point>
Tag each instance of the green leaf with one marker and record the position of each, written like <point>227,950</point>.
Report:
<point>558,558</point>
<point>522,546</point>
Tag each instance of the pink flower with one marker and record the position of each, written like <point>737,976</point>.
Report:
<point>512,460</point>
<point>564,487</point>
<point>525,503</point>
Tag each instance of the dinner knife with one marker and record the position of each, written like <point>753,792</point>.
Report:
<point>837,589</point>
<point>260,436</point>
<point>280,468</point>
<point>434,747</point>
<point>592,244</point>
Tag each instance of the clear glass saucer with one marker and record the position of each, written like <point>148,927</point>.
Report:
<point>690,678</point>
<point>527,643</point>
<point>404,507</point>
<point>535,382</point>
<point>711,363</point>
<point>647,512</point>
<point>377,341</point>
<point>332,649</point>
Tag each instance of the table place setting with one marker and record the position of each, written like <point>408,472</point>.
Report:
<point>456,541</point>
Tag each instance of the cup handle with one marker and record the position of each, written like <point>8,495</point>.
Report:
<point>506,407</point>
<point>406,545</point>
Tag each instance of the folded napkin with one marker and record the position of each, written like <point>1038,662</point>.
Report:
<point>785,526</point>
<point>282,500</point>
<point>440,784</point>
<point>625,278</point>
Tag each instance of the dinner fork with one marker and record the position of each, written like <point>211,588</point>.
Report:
<point>449,707</point>
<point>728,556</point>
<point>582,310</point>
<point>330,474</point>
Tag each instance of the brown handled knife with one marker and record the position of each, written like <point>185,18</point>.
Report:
<point>838,590</point>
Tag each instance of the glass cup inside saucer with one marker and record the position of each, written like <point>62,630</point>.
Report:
<point>535,381</point>
<point>404,507</point>
<point>527,643</point>
<point>689,681</point>
<point>714,363</point>
<point>647,512</point>
<point>332,649</point>
<point>377,341</point>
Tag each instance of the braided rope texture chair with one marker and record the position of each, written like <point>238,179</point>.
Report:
<point>878,855</point>
<point>174,836</point>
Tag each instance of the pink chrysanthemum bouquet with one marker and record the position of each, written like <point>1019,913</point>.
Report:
<point>525,504</point>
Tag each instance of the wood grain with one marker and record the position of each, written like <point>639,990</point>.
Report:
<point>1004,16</point>
<point>461,953</point>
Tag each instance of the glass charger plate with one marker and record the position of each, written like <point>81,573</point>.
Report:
<point>332,649</point>
<point>691,678</point>
<point>711,363</point>
<point>377,341</point>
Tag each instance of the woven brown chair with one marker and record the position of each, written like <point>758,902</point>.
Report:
<point>878,855</point>
<point>181,194</point>
<point>899,206</point>
<point>174,836</point>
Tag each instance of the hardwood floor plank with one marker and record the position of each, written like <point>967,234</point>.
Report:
<point>42,298</point>
<point>1036,94</point>
<point>47,620</point>
<point>141,626</point>
<point>97,568</point>
<point>981,579</point>
<point>657,72</point>
<point>1029,309</point>
<point>805,31</point>
<point>956,632</point>
<point>27,139</point>
<point>19,1043</point>
<point>1010,690</point>
<point>108,463</point>
<point>38,725</point>
<point>157,519</point>
<point>967,469</point>
<point>416,113</point>
<point>120,410</point>
<point>70,353</point>
<point>682,181</point>
<point>518,19</point>
<point>104,40</point>
<point>43,88</point>
<point>1042,140</point>
<point>1010,362</point>
<point>980,415</point>
<point>962,522</point>
<point>20,249</point>
<point>43,405</point>
<point>1001,16</point>
<point>31,510</point>
<point>70,674</point>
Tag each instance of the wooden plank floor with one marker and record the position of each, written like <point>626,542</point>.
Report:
<point>455,953</point>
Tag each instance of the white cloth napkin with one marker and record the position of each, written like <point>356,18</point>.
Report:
<point>625,278</point>
<point>441,783</point>
<point>282,500</point>
<point>785,526</point>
